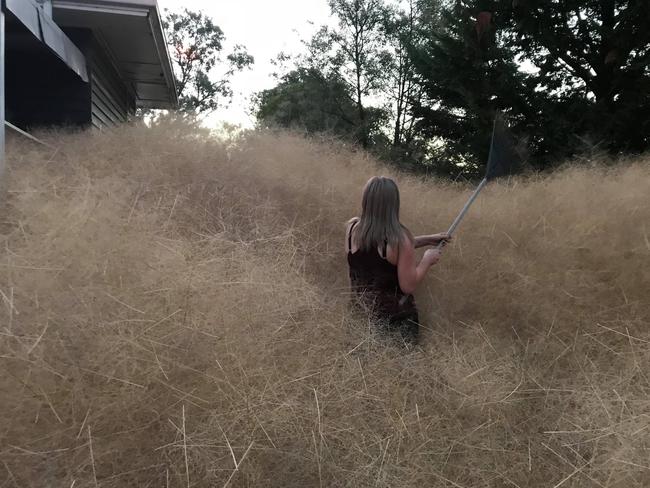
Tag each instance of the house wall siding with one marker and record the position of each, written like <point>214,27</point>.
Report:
<point>111,101</point>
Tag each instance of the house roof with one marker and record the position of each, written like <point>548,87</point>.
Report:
<point>132,34</point>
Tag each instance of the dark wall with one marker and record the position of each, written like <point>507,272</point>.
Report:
<point>111,100</point>
<point>40,89</point>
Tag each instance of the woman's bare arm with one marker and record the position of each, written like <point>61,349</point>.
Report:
<point>431,240</point>
<point>410,272</point>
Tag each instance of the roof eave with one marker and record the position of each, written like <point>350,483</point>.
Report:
<point>137,7</point>
<point>155,21</point>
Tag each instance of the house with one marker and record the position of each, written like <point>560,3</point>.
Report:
<point>87,63</point>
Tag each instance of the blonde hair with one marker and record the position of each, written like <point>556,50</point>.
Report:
<point>379,221</point>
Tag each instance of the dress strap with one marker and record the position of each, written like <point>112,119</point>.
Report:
<point>385,249</point>
<point>350,235</point>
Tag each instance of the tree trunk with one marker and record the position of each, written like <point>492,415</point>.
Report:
<point>397,136</point>
<point>361,109</point>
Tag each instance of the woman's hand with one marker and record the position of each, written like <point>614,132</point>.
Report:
<point>431,256</point>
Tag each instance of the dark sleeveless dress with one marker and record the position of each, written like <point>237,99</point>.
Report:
<point>375,286</point>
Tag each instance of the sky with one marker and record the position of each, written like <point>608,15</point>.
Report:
<point>266,28</point>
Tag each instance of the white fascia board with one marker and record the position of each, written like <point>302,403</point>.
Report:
<point>27,13</point>
<point>163,53</point>
<point>100,8</point>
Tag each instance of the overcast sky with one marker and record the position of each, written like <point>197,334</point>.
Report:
<point>265,27</point>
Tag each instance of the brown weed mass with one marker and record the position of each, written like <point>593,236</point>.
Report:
<point>173,312</point>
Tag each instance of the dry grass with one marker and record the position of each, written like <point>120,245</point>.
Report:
<point>173,313</point>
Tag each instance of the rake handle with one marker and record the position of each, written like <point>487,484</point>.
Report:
<point>462,213</point>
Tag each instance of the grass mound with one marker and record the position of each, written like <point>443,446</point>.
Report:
<point>173,312</point>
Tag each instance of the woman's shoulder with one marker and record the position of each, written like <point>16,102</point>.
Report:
<point>351,223</point>
<point>348,232</point>
<point>353,220</point>
<point>406,233</point>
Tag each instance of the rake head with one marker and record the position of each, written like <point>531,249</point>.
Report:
<point>503,156</point>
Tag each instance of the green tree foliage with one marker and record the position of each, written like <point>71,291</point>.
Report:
<point>329,87</point>
<point>202,76</point>
<point>401,33</point>
<point>466,75</point>
<point>594,58</point>
<point>569,75</point>
<point>305,98</point>
<point>360,57</point>
<point>309,100</point>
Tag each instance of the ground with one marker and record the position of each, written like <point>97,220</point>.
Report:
<point>174,313</point>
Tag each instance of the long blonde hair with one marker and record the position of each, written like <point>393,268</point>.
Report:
<point>379,221</point>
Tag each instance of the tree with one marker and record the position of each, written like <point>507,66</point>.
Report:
<point>196,43</point>
<point>466,75</point>
<point>307,99</point>
<point>570,74</point>
<point>567,74</point>
<point>360,59</point>
<point>401,32</point>
<point>326,89</point>
<point>593,56</point>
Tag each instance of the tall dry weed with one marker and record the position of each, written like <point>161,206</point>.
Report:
<point>174,313</point>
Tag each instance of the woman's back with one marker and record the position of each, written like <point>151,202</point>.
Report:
<point>384,270</point>
<point>375,283</point>
<point>370,271</point>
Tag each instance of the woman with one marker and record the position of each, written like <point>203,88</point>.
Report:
<point>384,271</point>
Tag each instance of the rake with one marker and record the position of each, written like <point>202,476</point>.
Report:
<point>500,162</point>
